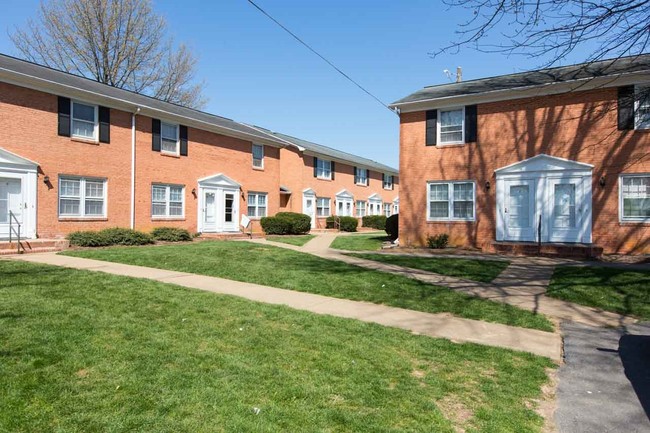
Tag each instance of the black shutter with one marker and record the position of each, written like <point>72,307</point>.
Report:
<point>333,169</point>
<point>183,135</point>
<point>625,108</point>
<point>432,128</point>
<point>315,167</point>
<point>367,177</point>
<point>470,124</point>
<point>64,116</point>
<point>104,124</point>
<point>155,135</point>
<point>392,182</point>
<point>383,180</point>
<point>356,174</point>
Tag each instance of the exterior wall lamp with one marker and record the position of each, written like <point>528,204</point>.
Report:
<point>487,185</point>
<point>601,182</point>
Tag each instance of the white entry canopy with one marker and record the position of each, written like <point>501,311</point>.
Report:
<point>543,163</point>
<point>219,180</point>
<point>18,184</point>
<point>12,161</point>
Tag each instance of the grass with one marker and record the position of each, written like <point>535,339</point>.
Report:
<point>297,240</point>
<point>611,289</point>
<point>470,269</point>
<point>92,352</point>
<point>278,267</point>
<point>366,242</point>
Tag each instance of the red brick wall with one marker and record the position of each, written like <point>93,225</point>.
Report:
<point>580,126</point>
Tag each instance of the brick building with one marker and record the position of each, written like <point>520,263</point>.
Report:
<point>555,156</point>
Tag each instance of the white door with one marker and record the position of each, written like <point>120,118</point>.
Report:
<point>230,211</point>
<point>309,208</point>
<point>11,200</point>
<point>519,210</point>
<point>209,210</point>
<point>344,207</point>
<point>565,209</point>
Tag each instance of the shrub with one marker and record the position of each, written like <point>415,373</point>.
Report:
<point>87,239</point>
<point>106,237</point>
<point>438,241</point>
<point>349,224</point>
<point>375,221</point>
<point>392,226</point>
<point>171,234</point>
<point>286,223</point>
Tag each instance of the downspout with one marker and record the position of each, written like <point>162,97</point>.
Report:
<point>133,167</point>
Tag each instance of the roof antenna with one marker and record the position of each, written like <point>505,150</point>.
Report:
<point>447,74</point>
<point>459,74</point>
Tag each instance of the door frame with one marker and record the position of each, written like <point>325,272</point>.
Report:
<point>13,166</point>
<point>344,197</point>
<point>220,184</point>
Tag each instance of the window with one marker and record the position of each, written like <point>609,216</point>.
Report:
<point>361,176</point>
<point>451,201</point>
<point>387,209</point>
<point>84,120</point>
<point>167,201</point>
<point>642,107</point>
<point>322,206</point>
<point>388,181</point>
<point>258,156</point>
<point>635,197</point>
<point>169,138</point>
<point>451,126</point>
<point>323,169</point>
<point>256,204</point>
<point>82,197</point>
<point>361,208</point>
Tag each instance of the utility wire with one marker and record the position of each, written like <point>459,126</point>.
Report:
<point>323,58</point>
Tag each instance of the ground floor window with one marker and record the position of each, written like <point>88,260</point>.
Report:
<point>82,197</point>
<point>323,206</point>
<point>450,201</point>
<point>361,208</point>
<point>256,204</point>
<point>167,201</point>
<point>635,197</point>
<point>387,209</point>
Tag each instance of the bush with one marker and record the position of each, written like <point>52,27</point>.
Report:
<point>438,241</point>
<point>286,223</point>
<point>106,237</point>
<point>375,221</point>
<point>347,224</point>
<point>392,227</point>
<point>171,234</point>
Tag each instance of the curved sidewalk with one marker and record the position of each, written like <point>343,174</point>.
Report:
<point>433,325</point>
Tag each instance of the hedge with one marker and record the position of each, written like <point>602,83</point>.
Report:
<point>112,236</point>
<point>348,224</point>
<point>286,223</point>
<point>375,221</point>
<point>171,234</point>
<point>438,241</point>
<point>392,226</point>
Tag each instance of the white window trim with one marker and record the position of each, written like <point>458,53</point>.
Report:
<point>438,128</point>
<point>637,102</point>
<point>261,166</point>
<point>168,187</point>
<point>390,185</point>
<point>318,176</point>
<point>95,126</point>
<point>82,197</point>
<point>178,140</point>
<point>450,202</point>
<point>365,182</point>
<point>257,205</point>
<point>621,217</point>
<point>329,207</point>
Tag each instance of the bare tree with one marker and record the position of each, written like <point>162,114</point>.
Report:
<point>554,28</point>
<point>117,42</point>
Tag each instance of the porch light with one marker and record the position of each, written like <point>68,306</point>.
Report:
<point>46,180</point>
<point>194,192</point>
<point>601,182</point>
<point>487,185</point>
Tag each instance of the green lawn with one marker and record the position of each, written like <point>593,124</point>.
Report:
<point>470,269</point>
<point>278,267</point>
<point>617,290</point>
<point>369,242</point>
<point>91,352</point>
<point>298,240</point>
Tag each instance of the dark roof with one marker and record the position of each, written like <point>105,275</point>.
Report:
<point>603,68</point>
<point>48,74</point>
<point>332,153</point>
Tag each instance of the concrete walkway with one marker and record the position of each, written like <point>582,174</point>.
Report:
<point>434,325</point>
<point>523,283</point>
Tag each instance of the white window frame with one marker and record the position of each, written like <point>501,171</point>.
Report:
<point>360,208</point>
<point>178,141</point>
<point>637,105</point>
<point>450,202</point>
<point>361,180</point>
<point>261,160</point>
<point>82,197</point>
<point>72,120</point>
<point>168,201</point>
<point>439,126</point>
<point>390,184</point>
<point>387,209</point>
<point>257,206</point>
<point>324,170</point>
<point>328,207</point>
<point>621,217</point>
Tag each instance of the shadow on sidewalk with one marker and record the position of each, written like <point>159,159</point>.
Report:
<point>635,355</point>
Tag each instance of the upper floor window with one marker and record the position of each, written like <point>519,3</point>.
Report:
<point>635,197</point>
<point>388,181</point>
<point>451,126</point>
<point>258,156</point>
<point>84,120</point>
<point>82,197</point>
<point>256,204</point>
<point>450,201</point>
<point>642,107</point>
<point>169,138</point>
<point>323,169</point>
<point>361,176</point>
<point>167,201</point>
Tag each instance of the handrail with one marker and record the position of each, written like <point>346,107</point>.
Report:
<point>12,216</point>
<point>539,235</point>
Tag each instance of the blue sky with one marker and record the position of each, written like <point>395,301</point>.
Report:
<point>256,73</point>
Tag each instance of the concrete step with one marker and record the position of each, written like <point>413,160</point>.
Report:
<point>574,251</point>
<point>33,246</point>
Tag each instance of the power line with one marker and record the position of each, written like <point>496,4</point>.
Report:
<point>319,55</point>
